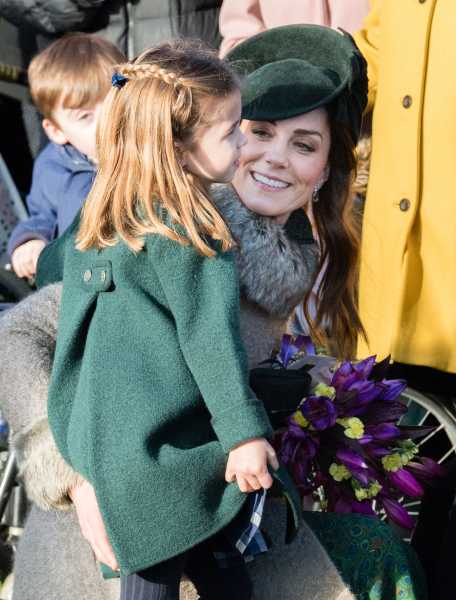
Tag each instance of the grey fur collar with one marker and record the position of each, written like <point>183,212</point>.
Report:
<point>276,263</point>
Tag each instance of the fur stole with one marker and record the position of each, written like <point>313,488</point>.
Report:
<point>276,262</point>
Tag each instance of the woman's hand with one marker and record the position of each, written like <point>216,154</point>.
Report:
<point>91,523</point>
<point>248,465</point>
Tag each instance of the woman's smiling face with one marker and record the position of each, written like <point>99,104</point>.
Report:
<point>282,162</point>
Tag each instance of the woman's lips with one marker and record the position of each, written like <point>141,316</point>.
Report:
<point>269,183</point>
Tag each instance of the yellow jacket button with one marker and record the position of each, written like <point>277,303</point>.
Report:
<point>404,204</point>
<point>407,101</point>
<point>87,275</point>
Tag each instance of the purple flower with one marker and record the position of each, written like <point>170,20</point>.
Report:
<point>403,480</point>
<point>397,513</point>
<point>383,431</point>
<point>364,507</point>
<point>289,347</point>
<point>392,388</point>
<point>340,376</point>
<point>319,411</point>
<point>377,451</point>
<point>366,391</point>
<point>364,367</point>
<point>426,468</point>
<point>351,459</point>
<point>361,475</point>
<point>380,411</point>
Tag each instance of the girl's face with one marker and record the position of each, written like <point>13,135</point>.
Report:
<point>282,162</point>
<point>214,151</point>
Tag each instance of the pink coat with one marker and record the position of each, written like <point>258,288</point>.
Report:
<point>240,19</point>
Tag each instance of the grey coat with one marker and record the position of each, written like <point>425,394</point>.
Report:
<point>53,560</point>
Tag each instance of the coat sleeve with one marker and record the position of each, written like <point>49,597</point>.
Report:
<point>52,16</point>
<point>41,223</point>
<point>239,20</point>
<point>50,262</point>
<point>203,297</point>
<point>28,334</point>
<point>368,41</point>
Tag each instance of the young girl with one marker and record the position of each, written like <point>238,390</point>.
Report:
<point>149,388</point>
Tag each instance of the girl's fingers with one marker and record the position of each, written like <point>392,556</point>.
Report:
<point>272,457</point>
<point>265,480</point>
<point>253,482</point>
<point>243,484</point>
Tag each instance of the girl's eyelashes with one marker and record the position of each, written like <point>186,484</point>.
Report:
<point>84,116</point>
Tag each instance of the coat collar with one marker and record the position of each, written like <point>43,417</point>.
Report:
<point>276,262</point>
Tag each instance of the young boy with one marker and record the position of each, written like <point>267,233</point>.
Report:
<point>68,82</point>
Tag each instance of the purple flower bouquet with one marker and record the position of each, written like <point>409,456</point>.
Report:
<point>345,442</point>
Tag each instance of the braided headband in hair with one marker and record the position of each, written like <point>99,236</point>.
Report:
<point>144,71</point>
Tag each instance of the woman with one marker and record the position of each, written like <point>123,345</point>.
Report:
<point>301,111</point>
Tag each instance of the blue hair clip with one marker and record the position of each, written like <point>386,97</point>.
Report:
<point>118,80</point>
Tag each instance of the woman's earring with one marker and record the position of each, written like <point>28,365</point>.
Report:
<point>315,195</point>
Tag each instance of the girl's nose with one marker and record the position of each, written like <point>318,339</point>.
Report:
<point>242,141</point>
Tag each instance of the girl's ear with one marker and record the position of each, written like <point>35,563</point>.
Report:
<point>54,133</point>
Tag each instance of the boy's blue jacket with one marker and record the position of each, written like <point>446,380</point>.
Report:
<point>62,178</point>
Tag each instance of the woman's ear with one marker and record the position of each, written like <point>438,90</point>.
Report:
<point>324,177</point>
<point>54,133</point>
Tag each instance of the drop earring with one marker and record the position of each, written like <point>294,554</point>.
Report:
<point>315,194</point>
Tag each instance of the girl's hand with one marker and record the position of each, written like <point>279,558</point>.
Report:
<point>248,465</point>
<point>91,523</point>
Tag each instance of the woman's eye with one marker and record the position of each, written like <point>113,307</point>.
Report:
<point>303,147</point>
<point>85,116</point>
<point>261,133</point>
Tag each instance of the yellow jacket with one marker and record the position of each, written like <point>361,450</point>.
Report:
<point>408,259</point>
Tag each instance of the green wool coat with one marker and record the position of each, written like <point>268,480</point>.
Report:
<point>149,390</point>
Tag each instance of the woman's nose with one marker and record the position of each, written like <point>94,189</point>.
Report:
<point>276,156</point>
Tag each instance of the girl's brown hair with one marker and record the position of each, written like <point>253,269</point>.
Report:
<point>143,121</point>
<point>337,323</point>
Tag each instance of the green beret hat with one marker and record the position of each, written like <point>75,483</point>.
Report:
<point>291,70</point>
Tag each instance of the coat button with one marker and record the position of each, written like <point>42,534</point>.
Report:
<point>404,204</point>
<point>103,276</point>
<point>407,101</point>
<point>87,275</point>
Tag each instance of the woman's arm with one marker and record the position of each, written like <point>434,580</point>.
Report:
<point>368,41</point>
<point>239,20</point>
<point>27,334</point>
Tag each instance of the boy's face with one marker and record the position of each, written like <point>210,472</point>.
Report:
<point>75,126</point>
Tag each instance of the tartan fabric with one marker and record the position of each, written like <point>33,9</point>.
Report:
<point>242,540</point>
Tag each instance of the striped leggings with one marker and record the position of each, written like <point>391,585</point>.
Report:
<point>161,582</point>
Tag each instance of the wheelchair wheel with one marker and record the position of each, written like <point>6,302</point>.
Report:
<point>439,445</point>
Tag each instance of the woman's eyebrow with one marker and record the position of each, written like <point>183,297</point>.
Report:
<point>308,132</point>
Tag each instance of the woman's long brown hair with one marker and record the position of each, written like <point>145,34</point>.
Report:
<point>337,323</point>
